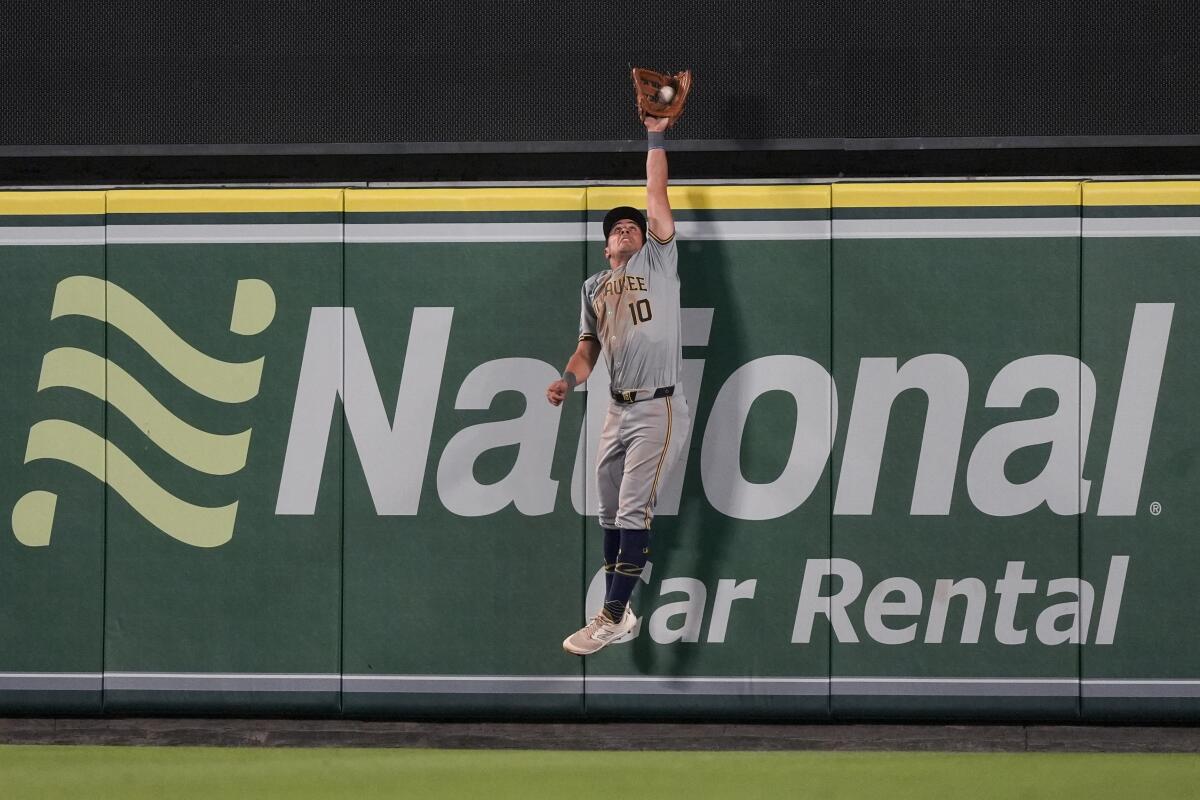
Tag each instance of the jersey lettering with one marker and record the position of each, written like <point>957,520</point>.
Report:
<point>633,312</point>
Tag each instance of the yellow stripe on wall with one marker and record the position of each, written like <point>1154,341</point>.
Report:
<point>50,203</point>
<point>602,198</point>
<point>490,199</point>
<point>1142,193</point>
<point>228,201</point>
<point>963,194</point>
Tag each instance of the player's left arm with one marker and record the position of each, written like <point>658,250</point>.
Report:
<point>658,207</point>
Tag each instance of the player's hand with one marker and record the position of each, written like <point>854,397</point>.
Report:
<point>557,392</point>
<point>657,124</point>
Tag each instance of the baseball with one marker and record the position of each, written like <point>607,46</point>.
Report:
<point>666,93</point>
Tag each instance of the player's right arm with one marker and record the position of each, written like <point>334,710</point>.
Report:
<point>581,363</point>
<point>658,207</point>
<point>579,367</point>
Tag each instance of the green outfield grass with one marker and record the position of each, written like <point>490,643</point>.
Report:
<point>130,773</point>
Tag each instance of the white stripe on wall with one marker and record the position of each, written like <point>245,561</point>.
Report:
<point>465,684</point>
<point>51,235</point>
<point>961,687</point>
<point>983,228</point>
<point>223,682</point>
<point>365,233</point>
<point>708,230</point>
<point>1107,227</point>
<point>218,234</point>
<point>1135,688</point>
<point>50,681</point>
<point>596,684</point>
<point>627,684</point>
<point>741,230</point>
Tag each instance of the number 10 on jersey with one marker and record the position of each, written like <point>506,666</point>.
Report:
<point>640,311</point>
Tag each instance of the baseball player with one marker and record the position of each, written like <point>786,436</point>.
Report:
<point>631,313</point>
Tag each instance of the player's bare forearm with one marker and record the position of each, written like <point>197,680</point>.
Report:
<point>583,359</point>
<point>658,206</point>
<point>579,367</point>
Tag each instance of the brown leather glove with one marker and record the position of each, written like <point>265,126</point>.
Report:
<point>646,85</point>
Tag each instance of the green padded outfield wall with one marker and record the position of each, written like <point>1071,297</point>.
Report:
<point>1141,324</point>
<point>461,545</point>
<point>287,452</point>
<point>52,561</point>
<point>942,295</point>
<point>212,600</point>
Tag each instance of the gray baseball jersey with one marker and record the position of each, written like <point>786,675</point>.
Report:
<point>633,312</point>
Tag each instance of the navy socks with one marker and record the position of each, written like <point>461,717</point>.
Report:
<point>612,546</point>
<point>631,559</point>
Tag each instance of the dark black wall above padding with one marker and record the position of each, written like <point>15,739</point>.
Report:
<point>134,72</point>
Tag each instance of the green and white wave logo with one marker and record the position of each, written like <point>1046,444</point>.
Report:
<point>205,452</point>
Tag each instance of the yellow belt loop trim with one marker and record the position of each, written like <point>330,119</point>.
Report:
<point>661,459</point>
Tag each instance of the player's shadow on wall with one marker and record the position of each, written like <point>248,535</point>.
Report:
<point>695,542</point>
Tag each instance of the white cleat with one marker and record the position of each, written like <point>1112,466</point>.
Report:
<point>627,636</point>
<point>598,633</point>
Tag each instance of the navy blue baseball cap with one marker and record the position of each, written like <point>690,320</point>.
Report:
<point>624,212</point>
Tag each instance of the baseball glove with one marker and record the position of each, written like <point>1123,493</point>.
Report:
<point>648,86</point>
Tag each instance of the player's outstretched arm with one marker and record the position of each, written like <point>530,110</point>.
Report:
<point>579,367</point>
<point>658,207</point>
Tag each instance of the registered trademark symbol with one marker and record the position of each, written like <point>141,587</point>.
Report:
<point>1156,508</point>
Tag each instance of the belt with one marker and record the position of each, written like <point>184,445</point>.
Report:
<point>644,394</point>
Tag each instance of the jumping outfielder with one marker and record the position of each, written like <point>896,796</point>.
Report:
<point>631,313</point>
